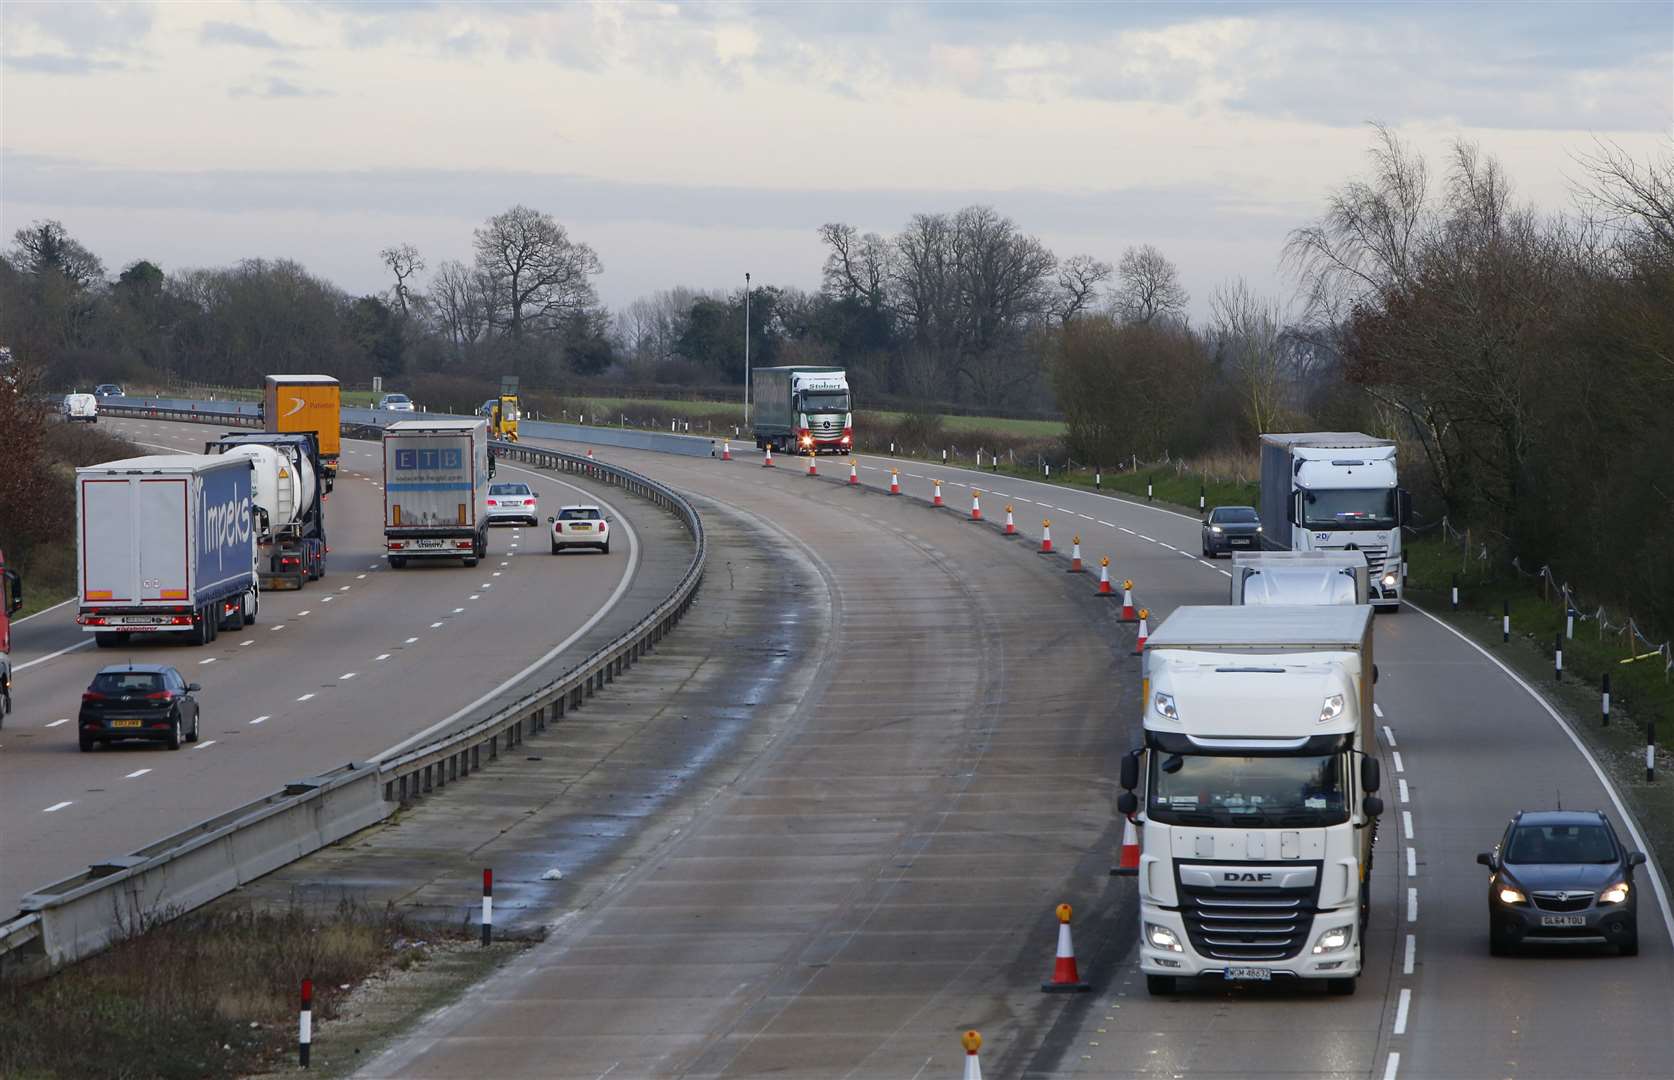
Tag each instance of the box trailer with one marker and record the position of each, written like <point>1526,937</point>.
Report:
<point>805,410</point>
<point>436,476</point>
<point>308,403</point>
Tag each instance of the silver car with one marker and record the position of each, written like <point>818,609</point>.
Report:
<point>513,502</point>
<point>396,403</point>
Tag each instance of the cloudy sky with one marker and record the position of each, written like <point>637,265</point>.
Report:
<point>690,143</point>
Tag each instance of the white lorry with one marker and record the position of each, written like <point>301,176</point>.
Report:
<point>436,476</point>
<point>1336,491</point>
<point>1257,810</point>
<point>1300,577</point>
<point>166,544</point>
<point>806,410</point>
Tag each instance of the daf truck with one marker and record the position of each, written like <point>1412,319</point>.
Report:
<point>290,507</point>
<point>293,404</point>
<point>804,410</point>
<point>1300,577</point>
<point>1336,491</point>
<point>436,475</point>
<point>11,601</point>
<point>166,544</point>
<point>1254,794</point>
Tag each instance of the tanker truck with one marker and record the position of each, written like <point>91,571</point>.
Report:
<point>290,507</point>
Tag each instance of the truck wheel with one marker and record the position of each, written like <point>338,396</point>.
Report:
<point>396,562</point>
<point>470,560</point>
<point>109,639</point>
<point>254,605</point>
<point>1159,985</point>
<point>1341,987</point>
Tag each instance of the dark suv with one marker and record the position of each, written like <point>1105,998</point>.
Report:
<point>1561,877</point>
<point>1231,528</point>
<point>138,701</point>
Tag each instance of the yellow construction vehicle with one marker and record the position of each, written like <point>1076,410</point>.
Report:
<point>503,413</point>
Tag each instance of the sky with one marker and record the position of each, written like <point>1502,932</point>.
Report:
<point>690,143</point>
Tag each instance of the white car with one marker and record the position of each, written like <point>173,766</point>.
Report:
<point>580,526</point>
<point>513,502</point>
<point>81,407</point>
<point>396,403</point>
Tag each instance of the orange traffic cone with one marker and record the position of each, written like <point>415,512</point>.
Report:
<point>1128,864</point>
<point>976,505</point>
<point>1046,536</point>
<point>1144,632</point>
<point>972,1041</point>
<point>1011,527</point>
<point>854,473</point>
<point>726,450</point>
<point>1075,554</point>
<point>1127,602</point>
<point>767,460</point>
<point>1104,576</point>
<point>1065,979</point>
<point>936,499</point>
<point>812,470</point>
<point>895,481</point>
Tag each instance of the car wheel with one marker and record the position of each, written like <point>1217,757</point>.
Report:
<point>1630,947</point>
<point>174,733</point>
<point>556,549</point>
<point>1498,943</point>
<point>192,736</point>
<point>1159,985</point>
<point>1341,987</point>
<point>605,547</point>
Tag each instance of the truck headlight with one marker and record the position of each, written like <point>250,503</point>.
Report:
<point>1161,937</point>
<point>1164,704</point>
<point>1389,580</point>
<point>1331,709</point>
<point>1615,894</point>
<point>1332,941</point>
<point>1509,895</point>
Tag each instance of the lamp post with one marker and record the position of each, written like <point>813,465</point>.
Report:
<point>746,350</point>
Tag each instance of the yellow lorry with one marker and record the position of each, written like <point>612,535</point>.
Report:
<point>314,403</point>
<point>504,412</point>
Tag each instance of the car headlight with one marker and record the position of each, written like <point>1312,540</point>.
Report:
<point>1164,704</point>
<point>1331,708</point>
<point>1615,894</point>
<point>1389,579</point>
<point>1215,528</point>
<point>1509,895</point>
<point>1161,937</point>
<point>1258,528</point>
<point>1332,941</point>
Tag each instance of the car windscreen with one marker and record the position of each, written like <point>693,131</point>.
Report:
<point>127,682</point>
<point>508,489</point>
<point>1234,515</point>
<point>578,515</point>
<point>396,398</point>
<point>1560,844</point>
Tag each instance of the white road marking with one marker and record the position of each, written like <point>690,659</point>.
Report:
<point>1226,573</point>
<point>281,626</point>
<point>209,660</point>
<point>204,745</point>
<point>259,719</point>
<point>496,573</point>
<point>347,675</point>
<point>505,564</point>
<point>55,723</point>
<point>1064,510</point>
<point>1401,1011</point>
<point>1388,736</point>
<point>371,566</point>
<point>303,612</point>
<point>1400,766</point>
<point>136,774</point>
<point>324,600</point>
<point>1412,862</point>
<point>306,697</point>
<point>457,610</point>
<point>435,625</point>
<point>1392,1067</point>
<point>1142,536</point>
<point>1412,905</point>
<point>346,588</point>
<point>245,644</point>
<point>360,577</point>
<point>1376,711</point>
<point>1089,517</point>
<point>381,656</point>
<point>410,641</point>
<point>1402,784</point>
<point>1170,547</point>
<point>1127,530</point>
<point>1406,823</point>
<point>488,584</point>
<point>475,596</point>
<point>43,611</point>
<point>55,807</point>
<point>1412,953</point>
<point>82,644</point>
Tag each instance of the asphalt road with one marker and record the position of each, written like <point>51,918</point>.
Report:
<point>350,666</point>
<point>883,878</point>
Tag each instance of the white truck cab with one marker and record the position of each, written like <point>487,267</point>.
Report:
<point>1253,792</point>
<point>1300,577</point>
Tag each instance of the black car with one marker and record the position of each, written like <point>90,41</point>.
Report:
<point>108,390</point>
<point>1561,877</point>
<point>1231,528</point>
<point>138,701</point>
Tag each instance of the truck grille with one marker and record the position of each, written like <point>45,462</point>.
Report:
<point>825,427</point>
<point>1248,923</point>
<point>1572,901</point>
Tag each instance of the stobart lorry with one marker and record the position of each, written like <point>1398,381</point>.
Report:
<point>166,544</point>
<point>293,404</point>
<point>1335,491</point>
<point>436,476</point>
<point>1254,794</point>
<point>806,410</point>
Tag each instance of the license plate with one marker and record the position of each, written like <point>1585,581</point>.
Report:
<point>133,620</point>
<point>582,528</point>
<point>126,723</point>
<point>1248,974</point>
<point>1240,543</point>
<point>428,543</point>
<point>1563,920</point>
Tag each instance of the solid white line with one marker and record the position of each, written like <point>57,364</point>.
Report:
<point>1406,823</point>
<point>259,719</point>
<point>1412,954</point>
<point>55,723</point>
<point>55,807</point>
<point>1377,711</point>
<point>1401,1011</point>
<point>1399,765</point>
<point>43,611</point>
<point>305,697</point>
<point>1412,862</point>
<point>1402,784</point>
<point>204,745</point>
<point>1389,736</point>
<point>1392,1067</point>
<point>1412,905</point>
<point>82,644</point>
<point>1658,884</point>
<point>381,656</point>
<point>136,773</point>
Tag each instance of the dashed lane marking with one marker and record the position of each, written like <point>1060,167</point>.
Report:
<point>136,774</point>
<point>1412,953</point>
<point>1412,862</point>
<point>55,807</point>
<point>1388,736</point>
<point>474,596</point>
<point>205,745</point>
<point>347,675</point>
<point>1402,784</point>
<point>1376,711</point>
<point>458,611</point>
<point>306,697</point>
<point>1401,1011</point>
<point>435,626</point>
<point>1392,1066</point>
<point>1400,766</point>
<point>261,719</point>
<point>271,629</point>
<point>207,660</point>
<point>1406,824</point>
<point>55,723</point>
<point>410,641</point>
<point>381,656</point>
<point>1412,907</point>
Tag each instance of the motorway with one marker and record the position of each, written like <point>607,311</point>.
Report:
<point>351,666</point>
<point>882,877</point>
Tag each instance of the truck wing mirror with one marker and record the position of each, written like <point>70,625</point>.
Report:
<point>1130,771</point>
<point>1485,858</point>
<point>1370,773</point>
<point>1127,804</point>
<point>1403,507</point>
<point>1295,507</point>
<point>1372,806</point>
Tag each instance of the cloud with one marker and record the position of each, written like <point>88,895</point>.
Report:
<point>225,33</point>
<point>72,39</point>
<point>276,87</point>
<point>50,64</point>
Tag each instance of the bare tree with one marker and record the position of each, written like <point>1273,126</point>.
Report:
<point>1635,200</point>
<point>856,266</point>
<point>1149,287</point>
<point>403,261</point>
<point>461,304</point>
<point>542,275</point>
<point>1247,333</point>
<point>1079,280</point>
<point>46,246</point>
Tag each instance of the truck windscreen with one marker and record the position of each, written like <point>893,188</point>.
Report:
<point>824,402</point>
<point>1349,509</point>
<point>1204,789</point>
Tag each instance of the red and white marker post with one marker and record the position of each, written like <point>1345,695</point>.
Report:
<point>487,907</point>
<point>305,1024</point>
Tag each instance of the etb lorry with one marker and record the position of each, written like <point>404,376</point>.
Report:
<point>293,404</point>
<point>1254,795</point>
<point>1336,491</point>
<point>806,410</point>
<point>436,476</point>
<point>166,544</point>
